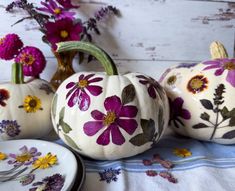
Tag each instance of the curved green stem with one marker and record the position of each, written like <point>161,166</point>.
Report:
<point>17,76</point>
<point>93,50</point>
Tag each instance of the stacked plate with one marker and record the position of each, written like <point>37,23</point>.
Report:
<point>38,164</point>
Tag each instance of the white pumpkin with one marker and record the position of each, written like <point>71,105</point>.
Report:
<point>202,97</point>
<point>25,109</point>
<point>108,116</point>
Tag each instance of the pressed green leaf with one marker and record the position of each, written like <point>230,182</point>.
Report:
<point>232,113</point>
<point>71,142</point>
<point>54,105</point>
<point>205,116</point>
<point>232,122</point>
<point>128,94</point>
<point>229,135</point>
<point>65,127</point>
<point>199,126</point>
<point>148,127</point>
<point>139,140</point>
<point>207,104</point>
<point>225,113</point>
<point>61,115</point>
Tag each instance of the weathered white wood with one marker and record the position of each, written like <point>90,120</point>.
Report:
<point>149,33</point>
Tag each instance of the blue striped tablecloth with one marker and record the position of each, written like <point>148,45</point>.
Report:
<point>211,167</point>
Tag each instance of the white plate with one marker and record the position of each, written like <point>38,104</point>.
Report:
<point>66,165</point>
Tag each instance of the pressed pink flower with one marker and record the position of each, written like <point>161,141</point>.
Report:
<point>147,162</point>
<point>57,11</point>
<point>67,4</point>
<point>151,173</point>
<point>10,46</point>
<point>222,65</point>
<point>63,30</point>
<point>32,59</point>
<point>117,116</point>
<point>78,93</point>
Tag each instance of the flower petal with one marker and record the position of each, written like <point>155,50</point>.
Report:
<point>97,115</point>
<point>212,62</point>
<point>84,101</point>
<point>185,114</point>
<point>71,91</point>
<point>117,137</point>
<point>128,111</point>
<point>231,77</point>
<point>81,77</point>
<point>113,103</point>
<point>95,90</point>
<point>74,98</point>
<point>70,84</point>
<point>95,80</point>
<point>104,138</point>
<point>129,125</point>
<point>212,67</point>
<point>144,82</point>
<point>92,127</point>
<point>152,92</point>
<point>89,76</point>
<point>219,72</point>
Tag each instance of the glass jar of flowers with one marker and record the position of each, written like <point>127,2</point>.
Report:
<point>58,23</point>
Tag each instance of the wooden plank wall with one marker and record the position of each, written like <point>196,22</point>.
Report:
<point>150,36</point>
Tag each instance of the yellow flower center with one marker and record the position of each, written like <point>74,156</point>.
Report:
<point>23,157</point>
<point>229,66</point>
<point>2,156</point>
<point>27,59</point>
<point>83,83</point>
<point>182,152</point>
<point>32,104</point>
<point>109,118</point>
<point>2,40</point>
<point>57,11</point>
<point>196,83</point>
<point>171,80</point>
<point>64,34</point>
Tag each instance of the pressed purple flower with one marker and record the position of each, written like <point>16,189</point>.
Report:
<point>50,183</point>
<point>63,30</point>
<point>109,175</point>
<point>78,93</point>
<point>53,8</point>
<point>27,156</point>
<point>186,65</point>
<point>10,46</point>
<point>154,87</point>
<point>4,95</point>
<point>67,4</point>
<point>221,65</point>
<point>11,128</point>
<point>32,59</point>
<point>117,116</point>
<point>177,111</point>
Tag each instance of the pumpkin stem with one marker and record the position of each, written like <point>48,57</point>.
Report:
<point>17,76</point>
<point>218,50</point>
<point>93,50</point>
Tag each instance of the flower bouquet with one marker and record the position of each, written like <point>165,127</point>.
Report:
<point>58,23</point>
<point>24,105</point>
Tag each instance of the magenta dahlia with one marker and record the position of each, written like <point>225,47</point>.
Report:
<point>32,59</point>
<point>10,46</point>
<point>63,30</point>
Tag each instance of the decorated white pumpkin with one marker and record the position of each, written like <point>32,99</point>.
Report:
<point>25,109</point>
<point>202,97</point>
<point>108,116</point>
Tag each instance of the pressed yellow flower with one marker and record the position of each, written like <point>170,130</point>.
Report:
<point>31,104</point>
<point>2,156</point>
<point>45,162</point>
<point>182,152</point>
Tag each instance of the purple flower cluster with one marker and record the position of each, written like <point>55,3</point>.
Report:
<point>10,128</point>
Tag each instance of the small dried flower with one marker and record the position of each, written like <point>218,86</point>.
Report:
<point>32,59</point>
<point>3,156</point>
<point>31,104</point>
<point>165,163</point>
<point>4,95</point>
<point>147,162</point>
<point>182,152</point>
<point>10,128</point>
<point>151,173</point>
<point>45,162</point>
<point>10,46</point>
<point>109,175</point>
<point>27,179</point>
<point>168,176</point>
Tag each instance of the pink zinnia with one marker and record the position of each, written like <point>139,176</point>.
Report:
<point>10,46</point>
<point>32,59</point>
<point>58,12</point>
<point>63,30</point>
